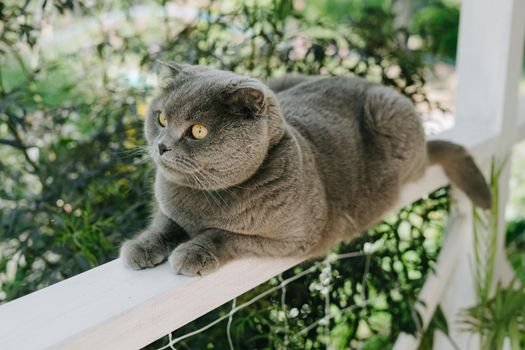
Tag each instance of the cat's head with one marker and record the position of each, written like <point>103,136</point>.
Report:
<point>211,129</point>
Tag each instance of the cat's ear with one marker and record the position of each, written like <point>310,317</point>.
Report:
<point>174,67</point>
<point>247,96</point>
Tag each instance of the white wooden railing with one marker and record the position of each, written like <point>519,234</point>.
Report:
<point>110,307</point>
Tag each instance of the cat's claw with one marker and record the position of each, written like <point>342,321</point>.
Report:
<point>192,260</point>
<point>137,255</point>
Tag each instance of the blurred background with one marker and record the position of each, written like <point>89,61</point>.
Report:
<point>75,81</point>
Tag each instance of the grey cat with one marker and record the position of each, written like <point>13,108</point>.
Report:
<point>288,169</point>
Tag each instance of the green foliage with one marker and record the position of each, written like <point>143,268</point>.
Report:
<point>338,11</point>
<point>499,313</point>
<point>485,229</point>
<point>72,187</point>
<point>499,317</point>
<point>438,26</point>
<point>516,246</point>
<point>437,323</point>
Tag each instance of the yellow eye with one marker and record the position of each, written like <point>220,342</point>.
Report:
<point>199,131</point>
<point>163,121</point>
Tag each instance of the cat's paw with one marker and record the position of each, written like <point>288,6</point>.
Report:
<point>191,259</point>
<point>140,254</point>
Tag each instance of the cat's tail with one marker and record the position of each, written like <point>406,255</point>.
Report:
<point>461,170</point>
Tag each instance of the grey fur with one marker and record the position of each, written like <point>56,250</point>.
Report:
<point>286,170</point>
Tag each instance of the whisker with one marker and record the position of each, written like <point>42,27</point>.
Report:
<point>134,151</point>
<point>206,180</point>
<point>206,175</point>
<point>215,195</point>
<point>198,181</point>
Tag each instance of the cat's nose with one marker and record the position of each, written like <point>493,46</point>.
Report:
<point>163,148</point>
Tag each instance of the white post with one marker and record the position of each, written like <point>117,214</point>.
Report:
<point>489,65</point>
<point>488,61</point>
<point>460,291</point>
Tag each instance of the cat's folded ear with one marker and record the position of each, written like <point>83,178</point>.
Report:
<point>247,96</point>
<point>174,67</point>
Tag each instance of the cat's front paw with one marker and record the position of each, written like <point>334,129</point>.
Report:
<point>191,259</point>
<point>140,254</point>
